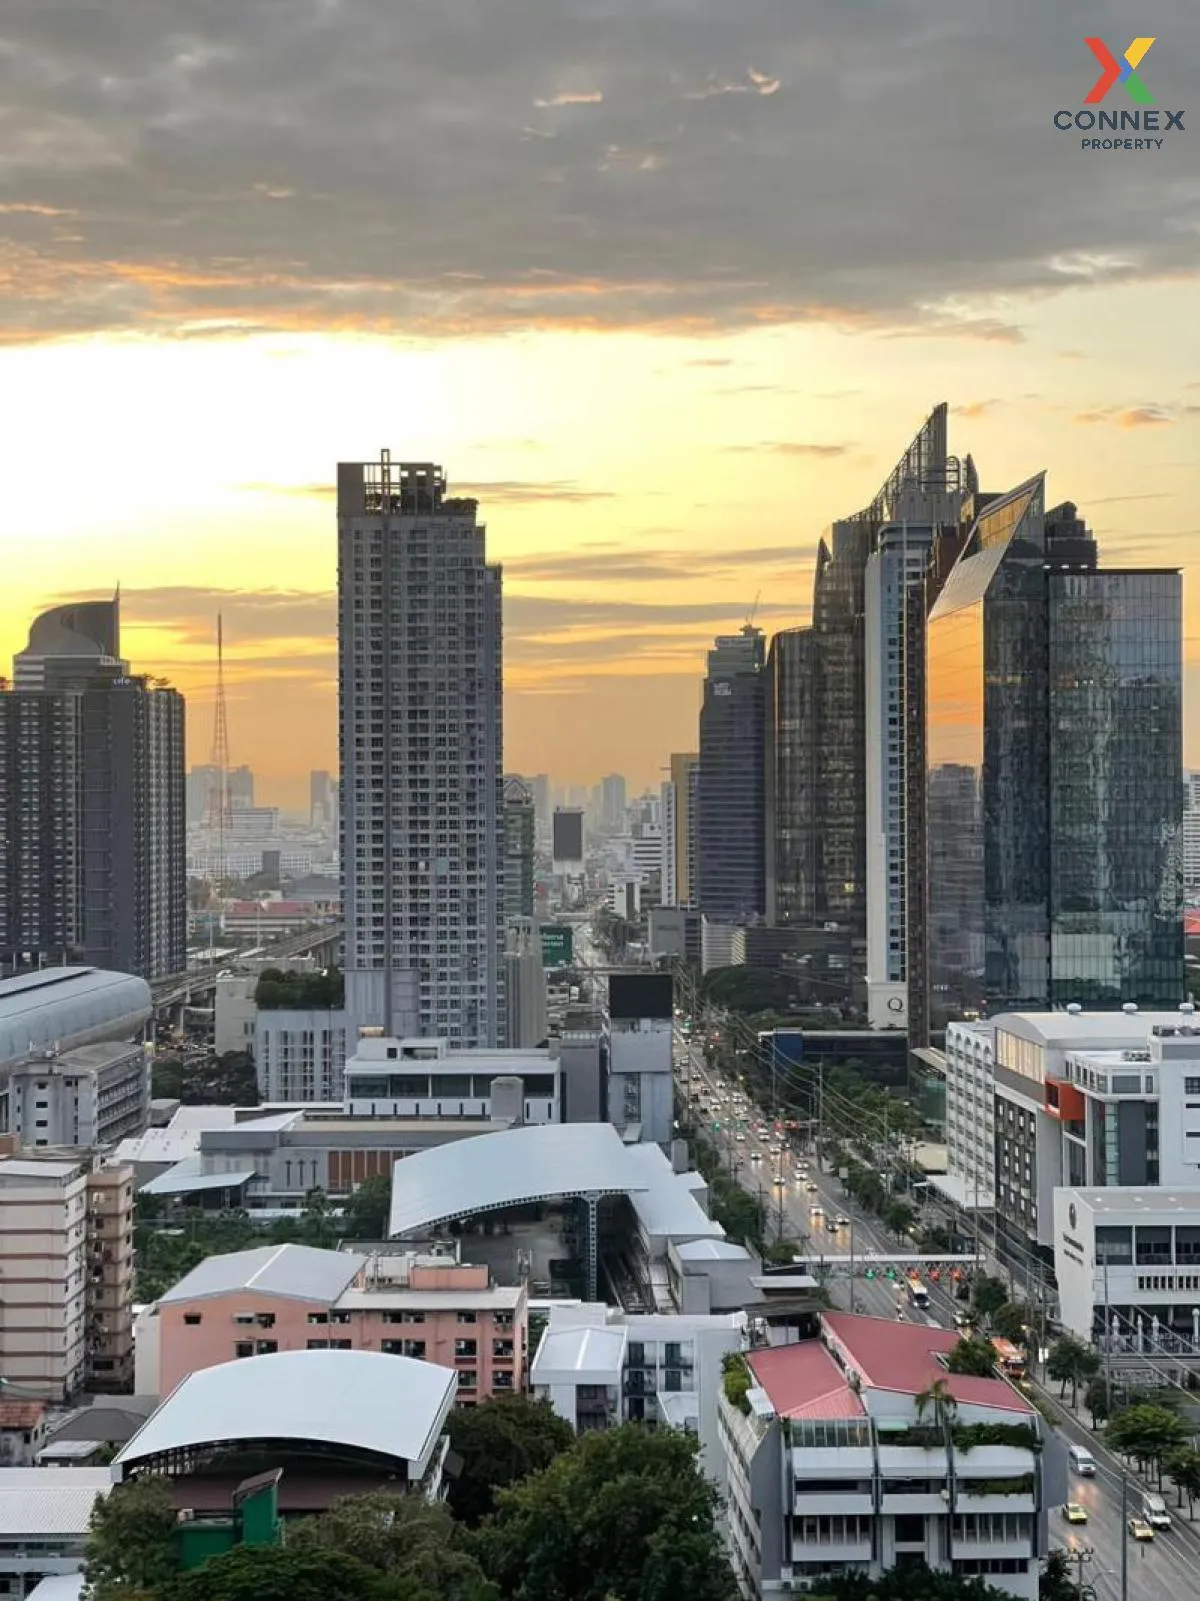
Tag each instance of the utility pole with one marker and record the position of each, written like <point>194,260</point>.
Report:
<point>1124,1537</point>
<point>853,1303</point>
<point>1080,1555</point>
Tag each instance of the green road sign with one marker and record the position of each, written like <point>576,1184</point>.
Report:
<point>558,944</point>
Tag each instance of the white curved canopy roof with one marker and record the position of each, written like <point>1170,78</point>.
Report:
<point>512,1168</point>
<point>393,1405</point>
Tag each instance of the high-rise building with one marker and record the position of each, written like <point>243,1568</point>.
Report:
<point>1054,753</point>
<point>793,824</point>
<point>730,859</point>
<point>322,799</point>
<point>92,801</point>
<point>612,804</point>
<point>420,685</point>
<point>679,829</point>
<point>240,786</point>
<point>1191,837</point>
<point>519,834</point>
<point>543,801</point>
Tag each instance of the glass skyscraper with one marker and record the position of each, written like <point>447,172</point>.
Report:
<point>1054,758</point>
<point>730,807</point>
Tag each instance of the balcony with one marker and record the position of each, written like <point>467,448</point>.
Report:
<point>853,1501</point>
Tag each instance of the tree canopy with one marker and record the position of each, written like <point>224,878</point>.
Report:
<point>366,1211</point>
<point>916,1583</point>
<point>300,991</point>
<point>624,1515</point>
<point>289,1573</point>
<point>973,1355</point>
<point>499,1443</point>
<point>746,989</point>
<point>1072,1362</point>
<point>131,1541</point>
<point>404,1538</point>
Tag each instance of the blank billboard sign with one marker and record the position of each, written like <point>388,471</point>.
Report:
<point>568,837</point>
<point>641,995</point>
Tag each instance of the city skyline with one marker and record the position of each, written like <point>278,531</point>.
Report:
<point>775,341</point>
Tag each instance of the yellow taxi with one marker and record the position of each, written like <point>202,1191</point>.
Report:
<point>1074,1513</point>
<point>1140,1529</point>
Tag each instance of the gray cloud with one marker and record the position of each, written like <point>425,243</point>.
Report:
<point>632,565</point>
<point>192,168</point>
<point>292,633</point>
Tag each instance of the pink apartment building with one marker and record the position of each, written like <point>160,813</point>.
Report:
<point>297,1298</point>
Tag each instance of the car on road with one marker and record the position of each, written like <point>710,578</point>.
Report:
<point>781,1183</point>
<point>1140,1529</point>
<point>811,1187</point>
<point>816,1212</point>
<point>1074,1513</point>
<point>756,1156</point>
<point>843,1222</point>
<point>801,1174</point>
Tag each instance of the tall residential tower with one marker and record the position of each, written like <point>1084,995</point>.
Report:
<point>420,733</point>
<point>92,801</point>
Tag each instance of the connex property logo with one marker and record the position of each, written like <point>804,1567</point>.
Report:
<point>1123,71</point>
<point>1134,130</point>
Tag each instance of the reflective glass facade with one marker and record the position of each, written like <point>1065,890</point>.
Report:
<point>730,783</point>
<point>793,817</point>
<point>1053,739</point>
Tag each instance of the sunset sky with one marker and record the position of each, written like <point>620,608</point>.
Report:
<point>667,284</point>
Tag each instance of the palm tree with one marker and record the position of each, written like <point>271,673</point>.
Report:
<point>938,1401</point>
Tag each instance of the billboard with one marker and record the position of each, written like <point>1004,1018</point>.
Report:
<point>558,944</point>
<point>638,995</point>
<point>568,837</point>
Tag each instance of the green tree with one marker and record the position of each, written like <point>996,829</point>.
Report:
<point>1098,1401</point>
<point>1071,1362</point>
<point>1057,1580</point>
<point>1182,1466</point>
<point>624,1515</point>
<point>131,1541</point>
<point>318,1224</point>
<point>499,1443</point>
<point>973,1355</point>
<point>915,1583</point>
<point>988,1294</point>
<point>1012,1321</point>
<point>365,1214</point>
<point>936,1402</point>
<point>289,1573</point>
<point>1147,1434</point>
<point>403,1537</point>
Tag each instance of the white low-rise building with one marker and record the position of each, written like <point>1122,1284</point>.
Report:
<point>1128,1266</point>
<point>1036,1100</point>
<point>300,1055</point>
<point>94,1095</point>
<point>44,1518</point>
<point>597,1367</point>
<point>858,1450</point>
<point>425,1078</point>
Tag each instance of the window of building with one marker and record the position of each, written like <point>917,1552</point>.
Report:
<point>191,1319</point>
<point>244,1348</point>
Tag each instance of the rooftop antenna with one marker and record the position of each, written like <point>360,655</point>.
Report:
<point>752,614</point>
<point>218,818</point>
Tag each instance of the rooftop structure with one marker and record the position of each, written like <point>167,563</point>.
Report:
<point>838,1463</point>
<point>387,1409</point>
<point>297,1272</point>
<point>67,1007</point>
<point>583,1161</point>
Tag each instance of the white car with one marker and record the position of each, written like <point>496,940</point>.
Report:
<point>756,1156</point>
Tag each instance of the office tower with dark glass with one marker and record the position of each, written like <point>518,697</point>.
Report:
<point>793,828</point>
<point>730,816</point>
<point>420,732</point>
<point>93,860</point>
<point>1054,755</point>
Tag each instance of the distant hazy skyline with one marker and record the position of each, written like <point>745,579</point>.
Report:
<point>667,289</point>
